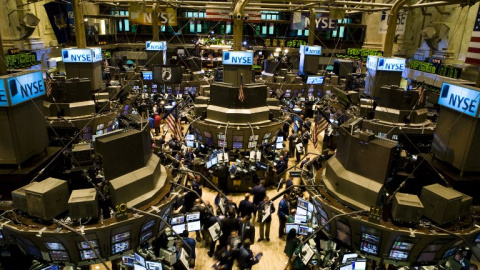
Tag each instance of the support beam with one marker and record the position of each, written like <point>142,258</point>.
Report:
<point>238,18</point>
<point>392,26</point>
<point>155,28</point>
<point>79,24</point>
<point>311,27</point>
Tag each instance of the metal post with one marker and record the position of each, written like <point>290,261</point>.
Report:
<point>238,18</point>
<point>155,28</point>
<point>392,26</point>
<point>311,27</point>
<point>79,24</point>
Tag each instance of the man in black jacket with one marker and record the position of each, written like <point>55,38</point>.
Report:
<point>265,226</point>
<point>247,230</point>
<point>246,258</point>
<point>246,207</point>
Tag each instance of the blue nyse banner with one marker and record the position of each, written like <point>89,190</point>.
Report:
<point>311,50</point>
<point>23,87</point>
<point>156,45</point>
<point>243,58</point>
<point>89,55</point>
<point>386,64</point>
<point>459,98</point>
<point>3,95</point>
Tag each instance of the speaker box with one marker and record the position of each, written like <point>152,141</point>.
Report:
<point>83,203</point>
<point>48,198</point>
<point>407,208</point>
<point>20,198</point>
<point>442,204</point>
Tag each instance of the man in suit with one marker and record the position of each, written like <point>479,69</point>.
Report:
<point>259,192</point>
<point>246,258</point>
<point>246,207</point>
<point>283,211</point>
<point>229,224</point>
<point>265,226</point>
<point>247,230</point>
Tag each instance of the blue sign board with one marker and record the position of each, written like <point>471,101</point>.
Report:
<point>386,64</point>
<point>3,95</point>
<point>89,55</point>
<point>301,21</point>
<point>311,50</point>
<point>21,88</point>
<point>243,58</point>
<point>460,98</point>
<point>156,45</point>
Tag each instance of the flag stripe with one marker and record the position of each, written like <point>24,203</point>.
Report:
<point>473,55</point>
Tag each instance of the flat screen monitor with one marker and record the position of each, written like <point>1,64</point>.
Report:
<point>51,267</point>
<point>214,161</point>
<point>139,267</point>
<point>220,156</point>
<point>120,247</point>
<point>190,144</point>
<point>233,169</point>
<point>301,211</point>
<point>179,228</point>
<point>177,220</point>
<point>449,252</point>
<point>128,260</point>
<point>145,236</point>
<point>148,225</point>
<point>300,218</point>
<point>302,203</point>
<point>147,75</point>
<point>287,95</point>
<point>260,165</point>
<point>54,246</point>
<point>34,251</point>
<point>402,245</point>
<point>349,257</point>
<point>58,255</point>
<point>279,145</point>
<point>290,226</point>
<point>237,145</point>
<point>369,247</point>
<point>360,264</point>
<point>194,226</point>
<point>346,267</point>
<point>371,238</point>
<point>427,257</point>
<point>120,237</point>
<point>252,144</point>
<point>84,244</point>
<point>190,137</point>
<point>279,139</point>
<point>139,259</point>
<point>315,79</point>
<point>398,255</point>
<point>88,254</point>
<point>154,265</point>
<point>193,216</point>
<point>303,230</point>
<point>209,164</point>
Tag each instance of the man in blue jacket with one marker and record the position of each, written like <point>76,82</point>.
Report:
<point>246,258</point>
<point>283,211</point>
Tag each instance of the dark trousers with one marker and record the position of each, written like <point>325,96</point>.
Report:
<point>281,227</point>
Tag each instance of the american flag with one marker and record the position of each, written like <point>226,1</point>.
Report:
<point>173,121</point>
<point>319,125</point>
<point>48,84</point>
<point>473,53</point>
<point>421,94</point>
<point>241,95</point>
<point>359,67</point>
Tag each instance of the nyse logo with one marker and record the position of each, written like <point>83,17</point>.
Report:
<point>391,64</point>
<point>237,58</point>
<point>458,100</point>
<point>27,89</point>
<point>156,46</point>
<point>314,50</point>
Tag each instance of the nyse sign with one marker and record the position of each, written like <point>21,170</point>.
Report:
<point>82,55</point>
<point>311,50</point>
<point>243,58</point>
<point>386,64</point>
<point>156,45</point>
<point>459,98</point>
<point>21,88</point>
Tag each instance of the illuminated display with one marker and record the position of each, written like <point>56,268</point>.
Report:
<point>90,55</point>
<point>120,247</point>
<point>311,50</point>
<point>54,246</point>
<point>145,236</point>
<point>461,99</point>
<point>21,88</point>
<point>398,255</point>
<point>402,245</point>
<point>315,80</point>
<point>147,75</point>
<point>156,45</point>
<point>88,254</point>
<point>343,232</point>
<point>177,220</point>
<point>237,145</point>
<point>193,216</point>
<point>148,225</point>
<point>244,58</point>
<point>57,255</point>
<point>84,245</point>
<point>179,228</point>
<point>385,64</point>
<point>194,226</point>
<point>369,243</point>
<point>120,237</point>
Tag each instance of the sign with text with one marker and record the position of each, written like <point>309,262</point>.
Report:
<point>311,50</point>
<point>243,58</point>
<point>301,21</point>
<point>139,14</point>
<point>386,64</point>
<point>446,71</point>
<point>401,22</point>
<point>89,55</point>
<point>23,87</point>
<point>21,60</point>
<point>213,14</point>
<point>459,98</point>
<point>156,45</point>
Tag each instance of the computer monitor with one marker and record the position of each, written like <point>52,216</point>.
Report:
<point>88,254</point>
<point>315,79</point>
<point>139,267</point>
<point>214,161</point>
<point>300,218</point>
<point>220,156</point>
<point>349,257</point>
<point>54,246</point>
<point>128,260</point>
<point>59,255</point>
<point>398,255</point>
<point>360,264</point>
<point>193,216</point>
<point>177,220</point>
<point>237,145</point>
<point>303,230</point>
<point>348,266</point>
<point>179,228</point>
<point>147,75</point>
<point>148,225</point>
<point>120,247</point>
<point>194,226</point>
<point>144,237</point>
<point>139,259</point>
<point>209,164</point>
<point>301,211</point>
<point>290,226</point>
<point>278,145</point>
<point>154,265</point>
<point>190,143</point>
<point>279,139</point>
<point>238,162</point>
<point>190,137</point>
<point>233,169</point>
